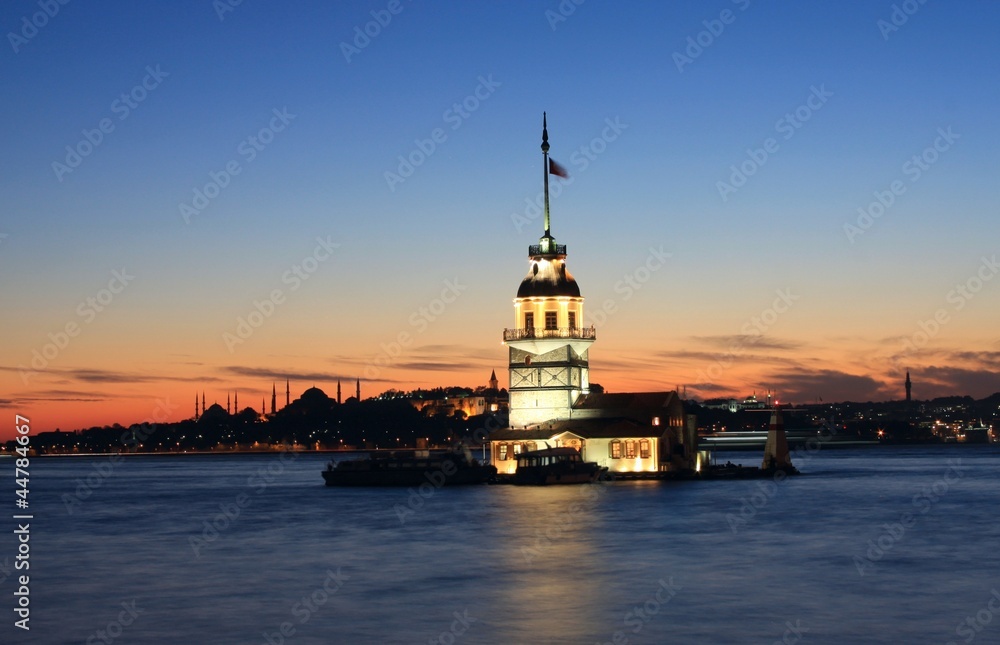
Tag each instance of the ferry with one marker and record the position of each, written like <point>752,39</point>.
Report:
<point>555,466</point>
<point>410,468</point>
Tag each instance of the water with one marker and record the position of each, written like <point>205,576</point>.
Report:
<point>503,564</point>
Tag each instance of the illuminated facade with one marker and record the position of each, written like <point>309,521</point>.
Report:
<point>551,403</point>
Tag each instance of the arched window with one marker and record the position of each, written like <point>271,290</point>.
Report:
<point>630,449</point>
<point>644,448</point>
<point>615,449</point>
<point>502,456</point>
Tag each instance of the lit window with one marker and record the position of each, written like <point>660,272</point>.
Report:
<point>644,448</point>
<point>656,421</point>
<point>529,320</point>
<point>550,320</point>
<point>616,449</point>
<point>503,452</point>
<point>630,449</point>
<point>572,320</point>
<point>517,448</point>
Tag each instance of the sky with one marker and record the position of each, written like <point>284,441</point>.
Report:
<point>201,197</point>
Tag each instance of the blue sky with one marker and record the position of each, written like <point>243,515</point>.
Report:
<point>655,184</point>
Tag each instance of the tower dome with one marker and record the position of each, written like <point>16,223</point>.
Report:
<point>547,278</point>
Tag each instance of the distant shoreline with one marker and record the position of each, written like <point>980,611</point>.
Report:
<point>333,451</point>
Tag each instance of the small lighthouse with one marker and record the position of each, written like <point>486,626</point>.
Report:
<point>776,456</point>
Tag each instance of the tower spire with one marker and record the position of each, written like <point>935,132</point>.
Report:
<point>545,169</point>
<point>288,393</point>
<point>358,390</point>
<point>274,398</point>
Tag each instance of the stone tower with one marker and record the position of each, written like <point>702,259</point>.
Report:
<point>548,345</point>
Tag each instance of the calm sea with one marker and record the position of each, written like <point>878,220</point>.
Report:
<point>877,545</point>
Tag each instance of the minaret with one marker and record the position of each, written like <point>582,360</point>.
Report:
<point>263,410</point>
<point>338,391</point>
<point>195,407</point>
<point>357,390</point>
<point>288,394</point>
<point>203,402</point>
<point>548,345</point>
<point>493,380</point>
<point>227,404</point>
<point>274,399</point>
<point>236,402</point>
<point>909,386</point>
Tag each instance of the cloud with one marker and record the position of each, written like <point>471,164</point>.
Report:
<point>275,374</point>
<point>933,381</point>
<point>728,342</point>
<point>830,385</point>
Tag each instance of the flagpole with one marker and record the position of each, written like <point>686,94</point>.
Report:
<point>545,169</point>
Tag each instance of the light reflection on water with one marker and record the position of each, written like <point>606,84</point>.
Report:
<point>526,565</point>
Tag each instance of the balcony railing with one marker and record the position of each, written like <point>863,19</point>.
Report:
<point>585,333</point>
<point>551,249</point>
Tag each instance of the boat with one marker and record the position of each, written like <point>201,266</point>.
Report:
<point>410,468</point>
<point>555,466</point>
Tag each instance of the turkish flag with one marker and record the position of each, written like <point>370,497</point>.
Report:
<point>557,170</point>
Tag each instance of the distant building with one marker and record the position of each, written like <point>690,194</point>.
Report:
<point>551,403</point>
<point>735,405</point>
<point>908,386</point>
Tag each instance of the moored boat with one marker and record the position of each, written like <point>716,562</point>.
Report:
<point>555,466</point>
<point>409,468</point>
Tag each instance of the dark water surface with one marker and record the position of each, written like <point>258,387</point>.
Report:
<point>635,562</point>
